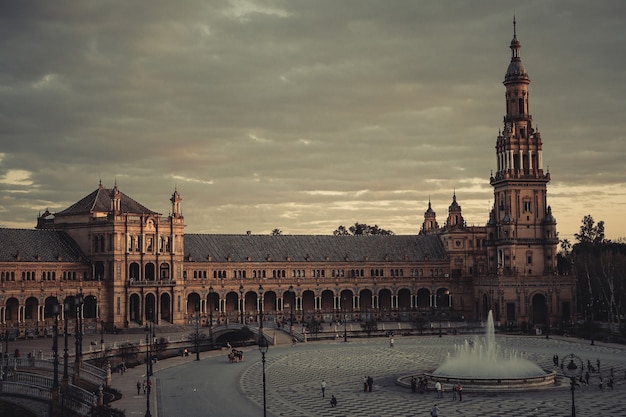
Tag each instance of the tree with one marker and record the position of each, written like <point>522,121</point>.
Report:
<point>160,346</point>
<point>277,232</point>
<point>600,267</point>
<point>314,327</point>
<point>590,232</point>
<point>361,229</point>
<point>127,351</point>
<point>419,323</point>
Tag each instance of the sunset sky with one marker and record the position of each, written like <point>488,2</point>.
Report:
<point>303,115</point>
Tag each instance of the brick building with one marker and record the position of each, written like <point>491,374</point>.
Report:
<point>132,264</point>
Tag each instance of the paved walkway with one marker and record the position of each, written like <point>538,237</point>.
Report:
<point>294,376</point>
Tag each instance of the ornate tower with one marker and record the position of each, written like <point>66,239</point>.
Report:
<point>521,229</point>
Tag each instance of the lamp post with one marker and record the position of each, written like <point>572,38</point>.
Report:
<point>55,346</point>
<point>197,331</point>
<point>263,347</point>
<point>55,353</point>
<point>572,370</point>
<point>261,311</point>
<point>211,314</point>
<point>67,308</point>
<point>345,321</point>
<point>148,364</point>
<point>293,301</point>
<point>78,303</point>
<point>242,303</point>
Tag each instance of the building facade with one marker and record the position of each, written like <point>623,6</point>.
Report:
<point>131,264</point>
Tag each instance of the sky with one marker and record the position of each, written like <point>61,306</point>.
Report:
<point>305,115</point>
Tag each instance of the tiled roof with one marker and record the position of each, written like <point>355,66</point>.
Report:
<point>100,201</point>
<point>317,248</point>
<point>28,245</point>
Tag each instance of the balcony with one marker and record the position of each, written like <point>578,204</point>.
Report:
<point>149,283</point>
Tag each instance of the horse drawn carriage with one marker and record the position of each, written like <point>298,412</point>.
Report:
<point>235,356</point>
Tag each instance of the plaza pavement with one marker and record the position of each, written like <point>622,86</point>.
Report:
<point>294,375</point>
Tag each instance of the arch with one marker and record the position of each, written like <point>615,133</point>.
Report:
<point>365,299</point>
<point>48,309</point>
<point>150,272</point>
<point>30,309</point>
<point>539,309</point>
<point>347,300</point>
<point>404,299</point>
<point>328,300</point>
<point>135,308</point>
<point>90,307</point>
<point>486,306</point>
<point>423,298</point>
<point>308,301</point>
<point>269,302</point>
<point>213,303</point>
<point>165,307</point>
<point>98,270</point>
<point>133,271</point>
<point>12,308</point>
<point>250,302</point>
<point>164,271</point>
<point>232,301</point>
<point>150,307</point>
<point>193,303</point>
<point>384,299</point>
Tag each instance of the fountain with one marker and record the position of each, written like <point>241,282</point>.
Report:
<point>483,365</point>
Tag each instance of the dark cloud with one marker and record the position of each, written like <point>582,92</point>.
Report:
<point>303,115</point>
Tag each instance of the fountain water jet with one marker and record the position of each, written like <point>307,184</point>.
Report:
<point>487,360</point>
<point>483,366</point>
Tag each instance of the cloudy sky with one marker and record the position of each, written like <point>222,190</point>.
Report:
<point>303,115</point>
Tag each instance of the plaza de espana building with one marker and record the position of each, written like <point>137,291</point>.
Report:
<point>132,264</point>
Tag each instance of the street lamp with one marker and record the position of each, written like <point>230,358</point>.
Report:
<point>345,323</point>
<point>55,353</point>
<point>197,331</point>
<point>211,314</point>
<point>148,364</point>
<point>263,347</point>
<point>242,303</point>
<point>67,308</point>
<point>573,369</point>
<point>78,303</point>
<point>55,345</point>
<point>293,301</point>
<point>261,310</point>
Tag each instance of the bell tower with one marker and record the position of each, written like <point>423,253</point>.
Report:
<point>521,227</point>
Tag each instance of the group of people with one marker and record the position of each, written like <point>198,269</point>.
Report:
<point>333,399</point>
<point>419,385</point>
<point>583,378</point>
<point>457,390</point>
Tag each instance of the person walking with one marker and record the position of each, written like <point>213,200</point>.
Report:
<point>438,389</point>
<point>459,389</point>
<point>365,384</point>
<point>323,389</point>
<point>138,387</point>
<point>434,412</point>
<point>454,392</point>
<point>370,383</point>
<point>333,401</point>
<point>391,341</point>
